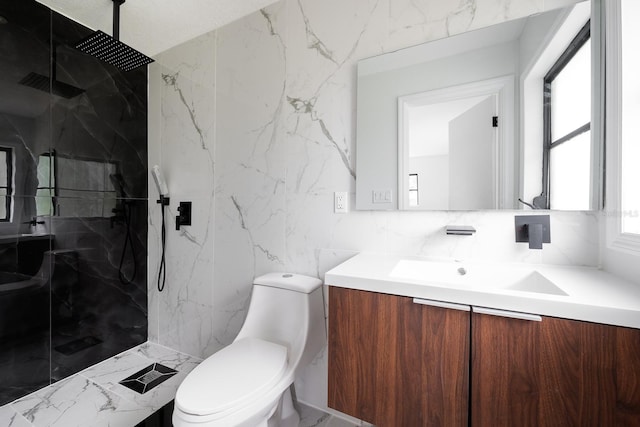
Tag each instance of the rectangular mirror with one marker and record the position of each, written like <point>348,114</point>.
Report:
<point>504,117</point>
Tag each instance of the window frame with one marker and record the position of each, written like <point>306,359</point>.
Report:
<point>52,176</point>
<point>412,189</point>
<point>616,238</point>
<point>583,36</point>
<point>9,186</point>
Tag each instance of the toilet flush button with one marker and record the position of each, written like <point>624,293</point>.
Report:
<point>286,276</point>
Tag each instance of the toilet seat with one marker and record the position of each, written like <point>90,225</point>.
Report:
<point>232,377</point>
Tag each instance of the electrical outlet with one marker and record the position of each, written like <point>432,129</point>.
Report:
<point>341,202</point>
<point>381,196</point>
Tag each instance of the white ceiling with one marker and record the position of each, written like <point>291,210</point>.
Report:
<point>153,26</point>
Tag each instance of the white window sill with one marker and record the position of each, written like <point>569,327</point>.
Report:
<point>626,242</point>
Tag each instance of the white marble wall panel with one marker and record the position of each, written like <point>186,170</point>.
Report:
<point>182,142</point>
<point>250,153</point>
<point>282,97</point>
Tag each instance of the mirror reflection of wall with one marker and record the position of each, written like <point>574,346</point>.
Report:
<point>452,145</point>
<point>523,167</point>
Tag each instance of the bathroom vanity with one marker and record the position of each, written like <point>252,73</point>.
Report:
<point>535,346</point>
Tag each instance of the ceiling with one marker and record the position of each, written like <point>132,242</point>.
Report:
<point>153,26</point>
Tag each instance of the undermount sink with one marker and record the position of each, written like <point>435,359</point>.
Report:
<point>535,282</point>
<point>477,276</point>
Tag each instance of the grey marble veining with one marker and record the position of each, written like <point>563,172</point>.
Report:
<point>280,113</point>
<point>93,397</point>
<point>11,418</point>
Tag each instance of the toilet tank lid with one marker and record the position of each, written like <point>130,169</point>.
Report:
<point>290,281</point>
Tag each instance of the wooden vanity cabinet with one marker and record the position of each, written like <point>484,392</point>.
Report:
<point>395,363</point>
<point>554,373</point>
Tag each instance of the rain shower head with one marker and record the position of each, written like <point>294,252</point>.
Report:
<point>40,82</point>
<point>110,49</point>
<point>46,84</point>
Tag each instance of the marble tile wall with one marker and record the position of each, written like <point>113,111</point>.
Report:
<point>181,140</point>
<point>256,123</point>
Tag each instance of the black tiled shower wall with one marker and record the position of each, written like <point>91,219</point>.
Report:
<point>73,285</point>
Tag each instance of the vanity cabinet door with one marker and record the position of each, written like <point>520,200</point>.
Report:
<point>553,373</point>
<point>395,363</point>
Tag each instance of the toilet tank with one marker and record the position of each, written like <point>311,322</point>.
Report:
<point>288,309</point>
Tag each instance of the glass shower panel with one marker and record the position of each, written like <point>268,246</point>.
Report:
<point>99,138</point>
<point>73,285</point>
<point>24,129</point>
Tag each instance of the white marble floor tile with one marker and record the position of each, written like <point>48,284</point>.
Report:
<point>10,418</point>
<point>160,395</point>
<point>79,402</point>
<point>117,368</point>
<point>311,417</point>
<point>166,356</point>
<point>94,397</point>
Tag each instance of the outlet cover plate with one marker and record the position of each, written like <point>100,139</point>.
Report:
<point>341,202</point>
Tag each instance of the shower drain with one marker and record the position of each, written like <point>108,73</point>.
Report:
<point>148,378</point>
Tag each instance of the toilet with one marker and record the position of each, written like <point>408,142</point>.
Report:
<point>247,384</point>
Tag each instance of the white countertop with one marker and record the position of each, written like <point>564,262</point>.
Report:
<point>591,295</point>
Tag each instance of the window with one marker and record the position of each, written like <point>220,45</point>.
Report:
<point>6,178</point>
<point>45,192</point>
<point>567,127</point>
<point>630,117</point>
<point>413,189</point>
<point>623,125</point>
<point>86,187</point>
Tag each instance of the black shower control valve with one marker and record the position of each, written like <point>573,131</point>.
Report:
<point>184,217</point>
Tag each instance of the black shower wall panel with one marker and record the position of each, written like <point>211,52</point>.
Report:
<point>90,313</point>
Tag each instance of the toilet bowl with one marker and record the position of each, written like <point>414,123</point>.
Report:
<point>247,384</point>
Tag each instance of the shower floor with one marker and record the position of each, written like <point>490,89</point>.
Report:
<point>95,395</point>
<point>32,362</point>
<point>24,363</point>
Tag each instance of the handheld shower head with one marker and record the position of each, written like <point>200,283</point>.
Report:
<point>163,191</point>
